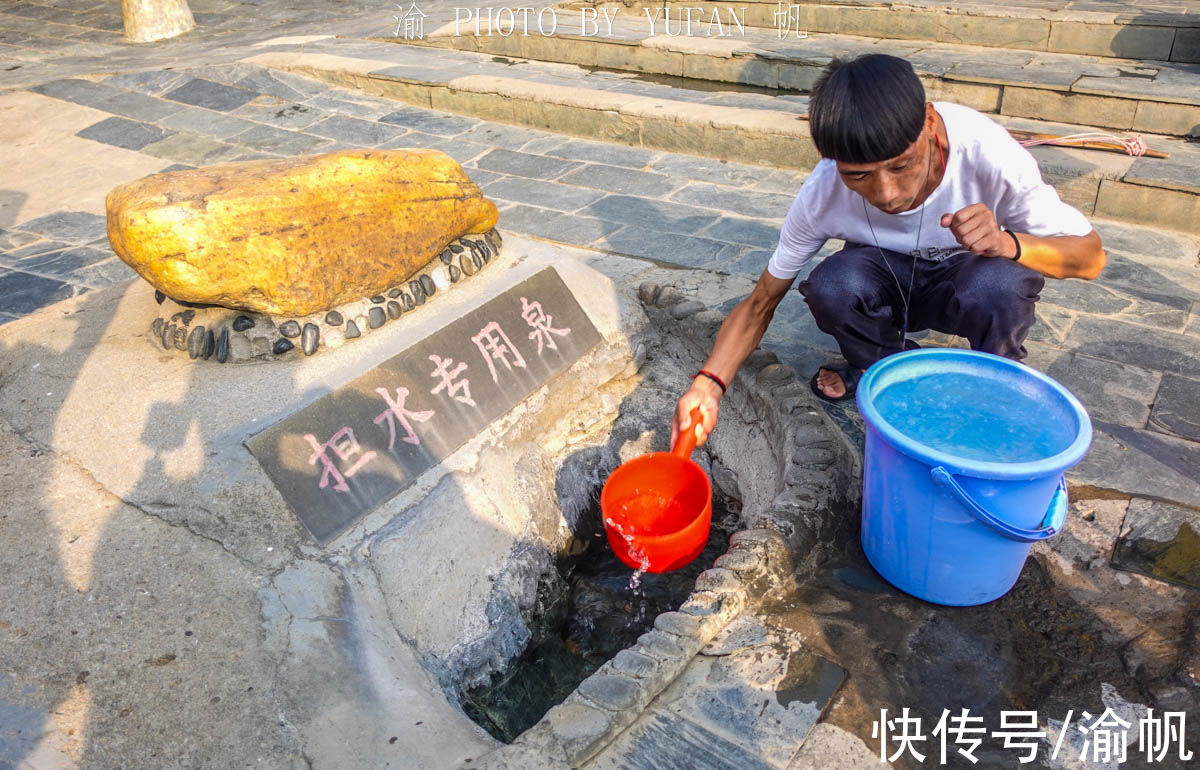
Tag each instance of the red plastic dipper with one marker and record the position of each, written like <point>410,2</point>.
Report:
<point>657,508</point>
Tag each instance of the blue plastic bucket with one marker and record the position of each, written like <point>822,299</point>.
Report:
<point>965,453</point>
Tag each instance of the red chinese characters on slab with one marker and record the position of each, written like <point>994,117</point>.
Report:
<point>543,332</point>
<point>350,450</point>
<point>396,413</point>
<point>494,345</point>
<point>459,390</point>
<point>345,447</point>
<point>497,351</point>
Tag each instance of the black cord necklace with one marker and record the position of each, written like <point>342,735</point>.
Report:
<point>904,296</point>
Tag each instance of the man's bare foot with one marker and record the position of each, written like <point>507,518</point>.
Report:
<point>830,383</point>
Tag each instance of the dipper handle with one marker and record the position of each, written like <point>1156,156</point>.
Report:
<point>685,442</point>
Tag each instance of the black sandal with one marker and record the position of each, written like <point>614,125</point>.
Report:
<point>850,376</point>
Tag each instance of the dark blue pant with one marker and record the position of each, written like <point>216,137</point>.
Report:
<point>855,299</point>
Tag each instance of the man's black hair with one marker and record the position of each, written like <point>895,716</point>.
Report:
<point>866,110</point>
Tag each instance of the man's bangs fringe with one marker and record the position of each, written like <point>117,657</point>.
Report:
<point>867,110</point>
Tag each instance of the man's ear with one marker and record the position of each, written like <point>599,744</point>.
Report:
<point>930,117</point>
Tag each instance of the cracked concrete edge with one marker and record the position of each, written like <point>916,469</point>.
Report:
<point>760,558</point>
<point>278,643</point>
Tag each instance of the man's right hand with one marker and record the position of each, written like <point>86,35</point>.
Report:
<point>705,394</point>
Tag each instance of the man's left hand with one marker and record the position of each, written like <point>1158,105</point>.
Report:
<point>976,229</point>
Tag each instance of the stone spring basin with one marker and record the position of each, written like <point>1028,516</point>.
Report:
<point>468,599</point>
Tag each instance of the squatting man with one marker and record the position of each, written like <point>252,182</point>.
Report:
<point>948,226</point>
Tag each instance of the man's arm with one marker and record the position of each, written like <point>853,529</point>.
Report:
<point>739,336</point>
<point>1059,256</point>
<point>1063,256</point>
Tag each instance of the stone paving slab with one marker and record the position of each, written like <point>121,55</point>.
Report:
<point>206,122</point>
<point>1150,245</point>
<point>58,170</point>
<point>1137,345</point>
<point>23,293</point>
<point>551,195</point>
<point>195,150</point>
<point>289,116</point>
<point>1116,392</point>
<point>1177,407</point>
<point>1173,174</point>
<point>1142,463</point>
<point>657,215</point>
<point>1160,541</point>
<point>670,248</point>
<point>557,226</point>
<point>1130,291</point>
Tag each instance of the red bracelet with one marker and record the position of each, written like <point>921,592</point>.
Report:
<point>712,377</point>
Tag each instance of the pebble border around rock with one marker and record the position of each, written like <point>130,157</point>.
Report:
<point>816,468</point>
<point>214,333</point>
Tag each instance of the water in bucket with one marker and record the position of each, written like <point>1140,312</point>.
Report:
<point>974,417</point>
<point>964,458</point>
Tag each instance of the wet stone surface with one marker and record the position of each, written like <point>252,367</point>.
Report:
<point>766,697</point>
<point>1161,541</point>
<point>1072,635</point>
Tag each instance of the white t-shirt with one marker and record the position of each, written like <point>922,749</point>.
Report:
<point>984,165</point>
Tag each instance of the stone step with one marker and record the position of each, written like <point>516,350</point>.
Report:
<point>1119,94</point>
<point>764,128</point>
<point>1166,31</point>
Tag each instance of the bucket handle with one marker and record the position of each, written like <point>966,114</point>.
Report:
<point>1056,514</point>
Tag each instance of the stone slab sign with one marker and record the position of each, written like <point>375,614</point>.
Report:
<point>357,446</point>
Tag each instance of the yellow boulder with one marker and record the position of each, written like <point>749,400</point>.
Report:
<point>294,236</point>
